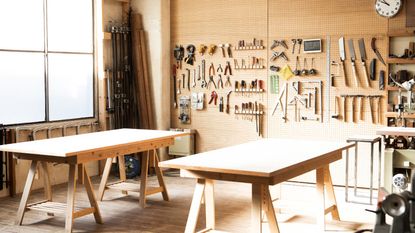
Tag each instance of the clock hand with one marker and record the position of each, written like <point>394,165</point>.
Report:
<point>384,2</point>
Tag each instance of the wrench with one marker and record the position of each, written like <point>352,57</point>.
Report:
<point>188,79</point>
<point>294,42</point>
<point>194,78</point>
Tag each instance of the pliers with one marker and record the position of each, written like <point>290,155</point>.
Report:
<point>211,81</point>
<point>220,69</point>
<point>228,82</point>
<point>228,70</point>
<point>220,82</point>
<point>213,97</point>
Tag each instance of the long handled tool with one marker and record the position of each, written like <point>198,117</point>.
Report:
<point>353,60</point>
<point>344,98</point>
<point>363,58</point>
<point>376,51</point>
<point>343,58</point>
<point>174,86</point>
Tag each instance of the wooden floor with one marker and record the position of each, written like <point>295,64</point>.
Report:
<point>121,213</point>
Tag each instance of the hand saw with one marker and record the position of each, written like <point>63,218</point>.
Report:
<point>353,59</point>
<point>343,58</point>
<point>363,59</point>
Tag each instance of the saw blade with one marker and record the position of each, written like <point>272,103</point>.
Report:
<point>351,49</point>
<point>341,49</point>
<point>362,49</point>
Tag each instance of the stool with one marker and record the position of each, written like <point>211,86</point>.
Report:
<point>360,139</point>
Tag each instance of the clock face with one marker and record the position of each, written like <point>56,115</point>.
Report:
<point>388,8</point>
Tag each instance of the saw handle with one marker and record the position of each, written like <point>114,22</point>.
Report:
<point>344,72</point>
<point>365,74</point>
<point>356,80</point>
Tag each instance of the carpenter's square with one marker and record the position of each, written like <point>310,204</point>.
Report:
<point>353,60</point>
<point>280,100</point>
<point>363,58</point>
<point>376,51</point>
<point>343,58</point>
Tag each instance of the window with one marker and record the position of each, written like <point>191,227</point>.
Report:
<point>46,60</point>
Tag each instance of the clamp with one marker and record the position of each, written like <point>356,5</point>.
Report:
<point>213,97</point>
<point>228,70</point>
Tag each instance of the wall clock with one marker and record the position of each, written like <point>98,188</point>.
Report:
<point>388,8</point>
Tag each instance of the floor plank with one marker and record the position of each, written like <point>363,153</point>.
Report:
<point>121,213</point>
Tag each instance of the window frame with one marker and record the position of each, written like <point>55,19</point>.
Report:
<point>46,53</point>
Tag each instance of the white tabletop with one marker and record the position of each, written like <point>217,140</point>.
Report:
<point>82,143</point>
<point>396,131</point>
<point>263,158</point>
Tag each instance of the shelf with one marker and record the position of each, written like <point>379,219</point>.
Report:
<point>395,115</point>
<point>400,61</point>
<point>402,33</point>
<point>395,88</point>
<point>124,1</point>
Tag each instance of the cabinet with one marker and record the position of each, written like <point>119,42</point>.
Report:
<point>400,109</point>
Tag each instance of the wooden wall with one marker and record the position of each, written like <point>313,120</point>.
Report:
<point>219,21</point>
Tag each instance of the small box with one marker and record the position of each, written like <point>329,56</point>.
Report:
<point>184,145</point>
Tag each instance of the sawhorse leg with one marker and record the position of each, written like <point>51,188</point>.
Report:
<point>262,203</point>
<point>144,174</point>
<point>70,202</point>
<point>104,179</point>
<point>26,193</point>
<point>323,178</point>
<point>204,188</point>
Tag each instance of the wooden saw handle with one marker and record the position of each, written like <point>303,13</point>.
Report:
<point>356,79</point>
<point>344,73</point>
<point>365,73</point>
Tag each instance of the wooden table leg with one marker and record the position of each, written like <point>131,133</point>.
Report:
<point>262,203</point>
<point>321,222</point>
<point>195,206</point>
<point>80,173</point>
<point>104,179</point>
<point>121,168</point>
<point>210,204</point>
<point>91,196</point>
<point>270,212</point>
<point>46,183</point>
<point>330,194</point>
<point>143,182</point>
<point>70,198</point>
<point>256,214</point>
<point>324,183</point>
<point>160,178</point>
<point>26,193</point>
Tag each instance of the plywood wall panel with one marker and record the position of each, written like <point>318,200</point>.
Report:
<point>229,21</point>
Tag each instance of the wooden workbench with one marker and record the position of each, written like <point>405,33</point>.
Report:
<point>261,163</point>
<point>77,150</point>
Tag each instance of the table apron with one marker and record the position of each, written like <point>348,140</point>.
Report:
<point>99,154</point>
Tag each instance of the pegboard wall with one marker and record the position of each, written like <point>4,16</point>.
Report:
<point>219,22</point>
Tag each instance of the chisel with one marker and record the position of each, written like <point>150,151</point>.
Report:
<point>353,60</point>
<point>363,60</point>
<point>256,117</point>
